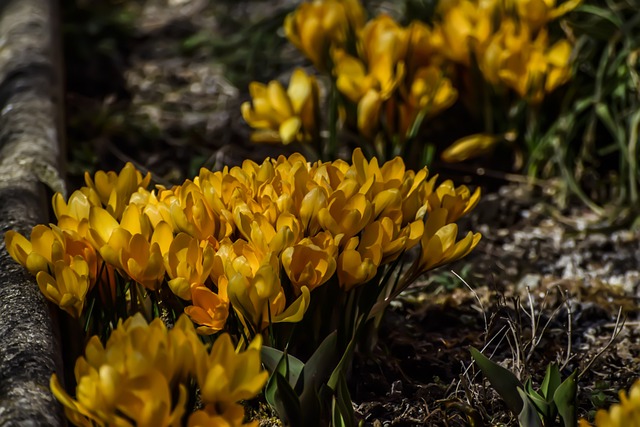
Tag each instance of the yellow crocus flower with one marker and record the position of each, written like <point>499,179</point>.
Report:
<point>371,79</point>
<point>470,147</point>
<point>438,245</point>
<point>142,261</point>
<point>390,238</point>
<point>68,286</point>
<point>47,246</point>
<point>316,26</point>
<point>78,205</point>
<point>353,267</point>
<point>155,205</point>
<point>284,116</point>
<point>209,310</point>
<point>383,47</point>
<point>368,112</point>
<point>457,201</point>
<point>102,224</point>
<point>114,190</point>
<point>537,13</point>
<point>37,256</point>
<point>525,62</point>
<point>133,377</point>
<point>225,377</point>
<point>431,91</point>
<point>345,216</point>
<point>312,203</point>
<point>253,283</point>
<point>254,287</point>
<point>463,25</point>
<point>414,192</point>
<point>233,416</point>
<point>307,264</point>
<point>257,230</point>
<point>191,214</point>
<point>188,261</point>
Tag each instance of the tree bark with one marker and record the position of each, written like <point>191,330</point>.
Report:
<point>30,158</point>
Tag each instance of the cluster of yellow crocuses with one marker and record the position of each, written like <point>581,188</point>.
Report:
<point>394,76</point>
<point>236,250</point>
<point>510,42</point>
<point>144,374</point>
<point>258,238</point>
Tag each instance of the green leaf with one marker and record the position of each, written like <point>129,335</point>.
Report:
<point>603,113</point>
<point>342,408</point>
<point>288,407</point>
<point>317,371</point>
<point>542,406</point>
<point>276,360</point>
<point>284,369</point>
<point>502,380</point>
<point>528,416</point>
<point>565,399</point>
<point>601,13</point>
<point>550,382</point>
<point>345,360</point>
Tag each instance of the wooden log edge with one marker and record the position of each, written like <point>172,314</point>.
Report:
<point>31,159</point>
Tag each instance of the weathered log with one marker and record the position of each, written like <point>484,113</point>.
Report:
<point>30,155</point>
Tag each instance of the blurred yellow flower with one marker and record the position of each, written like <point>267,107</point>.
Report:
<point>431,91</point>
<point>383,47</point>
<point>427,94</point>
<point>133,377</point>
<point>280,116</point>
<point>424,47</point>
<point>316,26</point>
<point>537,13</point>
<point>233,416</point>
<point>370,80</point>
<point>623,414</point>
<point>463,25</point>
<point>470,147</point>
<point>524,62</point>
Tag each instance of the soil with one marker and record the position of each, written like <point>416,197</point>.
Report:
<point>160,82</point>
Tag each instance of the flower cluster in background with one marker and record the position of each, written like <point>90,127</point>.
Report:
<point>510,42</point>
<point>389,78</point>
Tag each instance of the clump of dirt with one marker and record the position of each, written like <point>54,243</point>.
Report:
<point>536,290</point>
